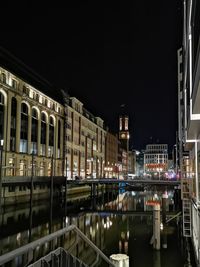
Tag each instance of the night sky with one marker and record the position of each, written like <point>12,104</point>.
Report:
<point>106,56</point>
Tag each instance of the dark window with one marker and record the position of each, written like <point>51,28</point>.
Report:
<point>59,132</point>
<point>13,125</point>
<point>4,77</point>
<point>43,129</point>
<point>34,130</point>
<point>11,189</point>
<point>14,83</point>
<point>24,129</point>
<point>25,89</point>
<point>51,132</point>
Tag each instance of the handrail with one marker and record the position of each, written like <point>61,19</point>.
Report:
<point>86,239</point>
<point>51,259</point>
<point>31,246</point>
<point>176,215</point>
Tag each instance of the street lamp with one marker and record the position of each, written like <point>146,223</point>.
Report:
<point>1,161</point>
<point>158,170</point>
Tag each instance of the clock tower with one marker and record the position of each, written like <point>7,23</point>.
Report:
<point>124,132</point>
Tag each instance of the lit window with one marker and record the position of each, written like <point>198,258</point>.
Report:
<point>126,123</point>
<point>120,124</point>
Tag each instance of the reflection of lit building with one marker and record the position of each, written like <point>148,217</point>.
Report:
<point>156,159</point>
<point>124,236</point>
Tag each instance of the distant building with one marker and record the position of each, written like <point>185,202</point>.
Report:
<point>111,168</point>
<point>85,141</point>
<point>156,160</point>
<point>139,164</point>
<point>131,162</point>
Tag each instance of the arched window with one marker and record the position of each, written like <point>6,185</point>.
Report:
<point>34,131</point>
<point>1,116</point>
<point>51,136</point>
<point>43,134</point>
<point>13,124</point>
<point>24,129</point>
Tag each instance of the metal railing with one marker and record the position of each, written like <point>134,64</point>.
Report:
<point>27,251</point>
<point>58,258</point>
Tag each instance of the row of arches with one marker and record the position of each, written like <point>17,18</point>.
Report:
<point>31,130</point>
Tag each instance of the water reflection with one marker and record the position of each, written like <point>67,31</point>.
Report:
<point>116,223</point>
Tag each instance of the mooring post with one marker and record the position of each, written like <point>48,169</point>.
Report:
<point>120,260</point>
<point>156,226</point>
<point>164,205</point>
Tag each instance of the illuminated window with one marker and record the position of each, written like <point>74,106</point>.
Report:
<point>22,168</point>
<point>43,134</point>
<point>120,124</point>
<point>126,123</point>
<point>24,129</point>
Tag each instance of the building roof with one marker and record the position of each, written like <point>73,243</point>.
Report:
<point>28,75</point>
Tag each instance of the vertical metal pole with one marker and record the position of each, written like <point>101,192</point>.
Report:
<point>32,174</point>
<point>177,146</point>
<point>31,199</point>
<point>51,194</point>
<point>196,173</point>
<point>66,188</point>
<point>1,161</point>
<point>164,207</point>
<point>30,223</point>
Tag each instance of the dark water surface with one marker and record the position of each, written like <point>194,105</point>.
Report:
<point>116,223</point>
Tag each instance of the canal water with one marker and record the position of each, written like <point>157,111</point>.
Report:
<point>117,222</point>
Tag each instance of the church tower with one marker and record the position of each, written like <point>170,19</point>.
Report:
<point>124,132</point>
<point>124,143</point>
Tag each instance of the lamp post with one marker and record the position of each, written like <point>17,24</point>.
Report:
<point>158,170</point>
<point>1,161</point>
